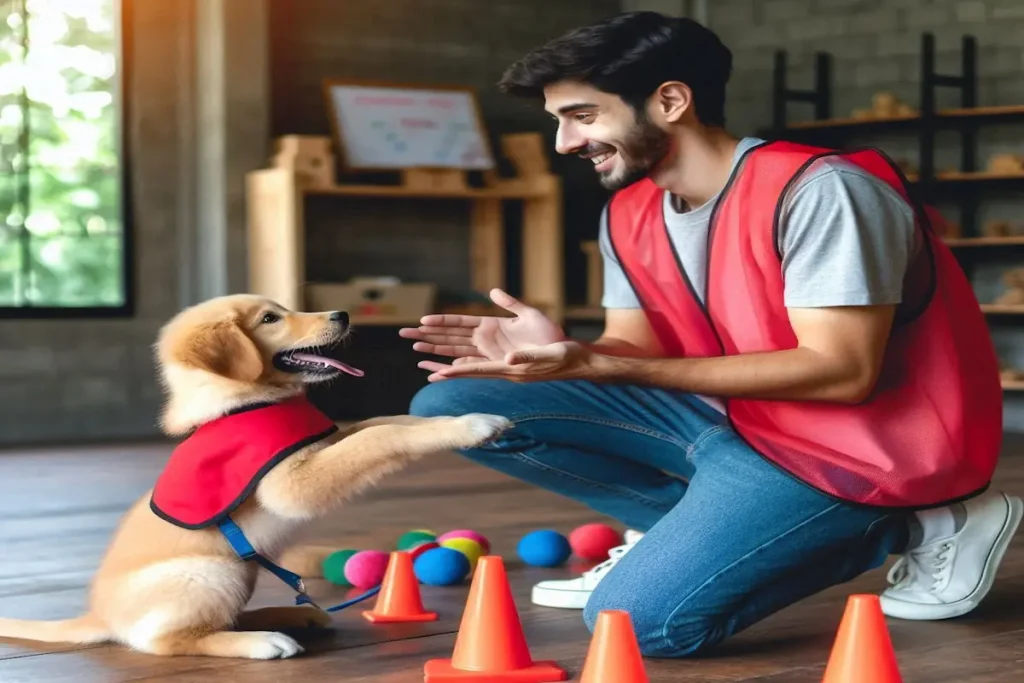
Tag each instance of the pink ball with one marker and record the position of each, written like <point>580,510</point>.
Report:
<point>471,535</point>
<point>593,541</point>
<point>366,568</point>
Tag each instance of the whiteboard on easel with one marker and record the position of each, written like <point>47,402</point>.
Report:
<point>399,127</point>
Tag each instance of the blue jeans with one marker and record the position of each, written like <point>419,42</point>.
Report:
<point>730,539</point>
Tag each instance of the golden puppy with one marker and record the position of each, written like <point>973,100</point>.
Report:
<point>169,590</point>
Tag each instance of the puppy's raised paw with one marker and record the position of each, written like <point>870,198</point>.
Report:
<point>482,427</point>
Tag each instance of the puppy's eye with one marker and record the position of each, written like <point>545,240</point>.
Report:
<point>269,318</point>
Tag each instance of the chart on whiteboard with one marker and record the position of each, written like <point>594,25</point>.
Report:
<point>389,127</point>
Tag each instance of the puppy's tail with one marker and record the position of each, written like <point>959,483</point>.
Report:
<point>84,629</point>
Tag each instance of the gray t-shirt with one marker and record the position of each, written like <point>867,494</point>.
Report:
<point>845,236</point>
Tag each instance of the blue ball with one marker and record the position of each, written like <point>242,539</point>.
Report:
<point>441,567</point>
<point>544,548</point>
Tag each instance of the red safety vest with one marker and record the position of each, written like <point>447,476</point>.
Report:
<point>216,468</point>
<point>931,431</point>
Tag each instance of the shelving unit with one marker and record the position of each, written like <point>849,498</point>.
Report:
<point>276,200</point>
<point>965,185</point>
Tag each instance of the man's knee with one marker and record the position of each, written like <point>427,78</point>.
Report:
<point>661,631</point>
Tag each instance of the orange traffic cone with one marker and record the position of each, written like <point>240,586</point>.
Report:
<point>491,646</point>
<point>614,655</point>
<point>399,599</point>
<point>863,650</point>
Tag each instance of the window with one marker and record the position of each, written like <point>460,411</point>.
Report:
<point>63,246</point>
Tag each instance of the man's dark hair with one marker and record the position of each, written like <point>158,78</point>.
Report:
<point>631,55</point>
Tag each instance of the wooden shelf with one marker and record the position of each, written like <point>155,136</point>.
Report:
<point>1000,309</point>
<point>943,118</point>
<point>850,122</point>
<point>976,176</point>
<point>1013,385</point>
<point>983,241</point>
<point>1007,110</point>
<point>276,201</point>
<point>513,191</point>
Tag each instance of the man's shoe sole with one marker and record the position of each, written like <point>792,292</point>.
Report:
<point>899,609</point>
<point>552,597</point>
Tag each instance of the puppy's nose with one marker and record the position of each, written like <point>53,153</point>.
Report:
<point>339,317</point>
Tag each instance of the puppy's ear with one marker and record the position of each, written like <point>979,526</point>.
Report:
<point>223,349</point>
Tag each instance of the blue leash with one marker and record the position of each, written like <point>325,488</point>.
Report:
<point>244,548</point>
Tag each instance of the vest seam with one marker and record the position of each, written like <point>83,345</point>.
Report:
<point>776,219</point>
<point>706,304</point>
<point>917,209</point>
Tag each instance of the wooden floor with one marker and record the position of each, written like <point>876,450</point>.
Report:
<point>58,508</point>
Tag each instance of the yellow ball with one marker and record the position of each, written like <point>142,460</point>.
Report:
<point>467,546</point>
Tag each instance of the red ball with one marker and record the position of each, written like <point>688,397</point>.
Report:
<point>422,548</point>
<point>593,541</point>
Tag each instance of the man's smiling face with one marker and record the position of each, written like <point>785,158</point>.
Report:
<point>623,146</point>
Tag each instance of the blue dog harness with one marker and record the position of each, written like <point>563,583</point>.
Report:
<point>233,533</point>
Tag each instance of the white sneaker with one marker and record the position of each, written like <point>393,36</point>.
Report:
<point>950,576</point>
<point>574,593</point>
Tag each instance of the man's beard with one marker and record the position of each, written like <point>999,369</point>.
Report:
<point>644,147</point>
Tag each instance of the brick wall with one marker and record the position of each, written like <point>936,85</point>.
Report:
<point>876,46</point>
<point>419,41</point>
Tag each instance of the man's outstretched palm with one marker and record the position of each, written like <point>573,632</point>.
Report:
<point>469,338</point>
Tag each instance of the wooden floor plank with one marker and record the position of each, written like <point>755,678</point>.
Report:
<point>58,509</point>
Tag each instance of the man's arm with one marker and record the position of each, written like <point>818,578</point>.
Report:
<point>846,239</point>
<point>846,243</point>
<point>838,359</point>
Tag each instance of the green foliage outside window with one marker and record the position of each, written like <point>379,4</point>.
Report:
<point>61,223</point>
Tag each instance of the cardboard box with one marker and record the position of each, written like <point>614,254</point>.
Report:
<point>374,301</point>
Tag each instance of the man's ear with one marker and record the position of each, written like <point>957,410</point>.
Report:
<point>223,349</point>
<point>673,100</point>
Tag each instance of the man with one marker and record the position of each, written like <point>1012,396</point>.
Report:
<point>781,397</point>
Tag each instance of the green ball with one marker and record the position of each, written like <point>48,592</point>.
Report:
<point>411,539</point>
<point>334,567</point>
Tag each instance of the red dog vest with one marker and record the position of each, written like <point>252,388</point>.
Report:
<point>931,431</point>
<point>213,471</point>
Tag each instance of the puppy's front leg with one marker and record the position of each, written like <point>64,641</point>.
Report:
<point>407,420</point>
<point>308,486</point>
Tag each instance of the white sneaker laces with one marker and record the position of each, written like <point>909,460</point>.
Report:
<point>930,564</point>
<point>614,555</point>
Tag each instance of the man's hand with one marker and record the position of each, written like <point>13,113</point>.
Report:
<point>557,361</point>
<point>470,338</point>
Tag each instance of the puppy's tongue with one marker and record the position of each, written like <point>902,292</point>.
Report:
<point>310,358</point>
